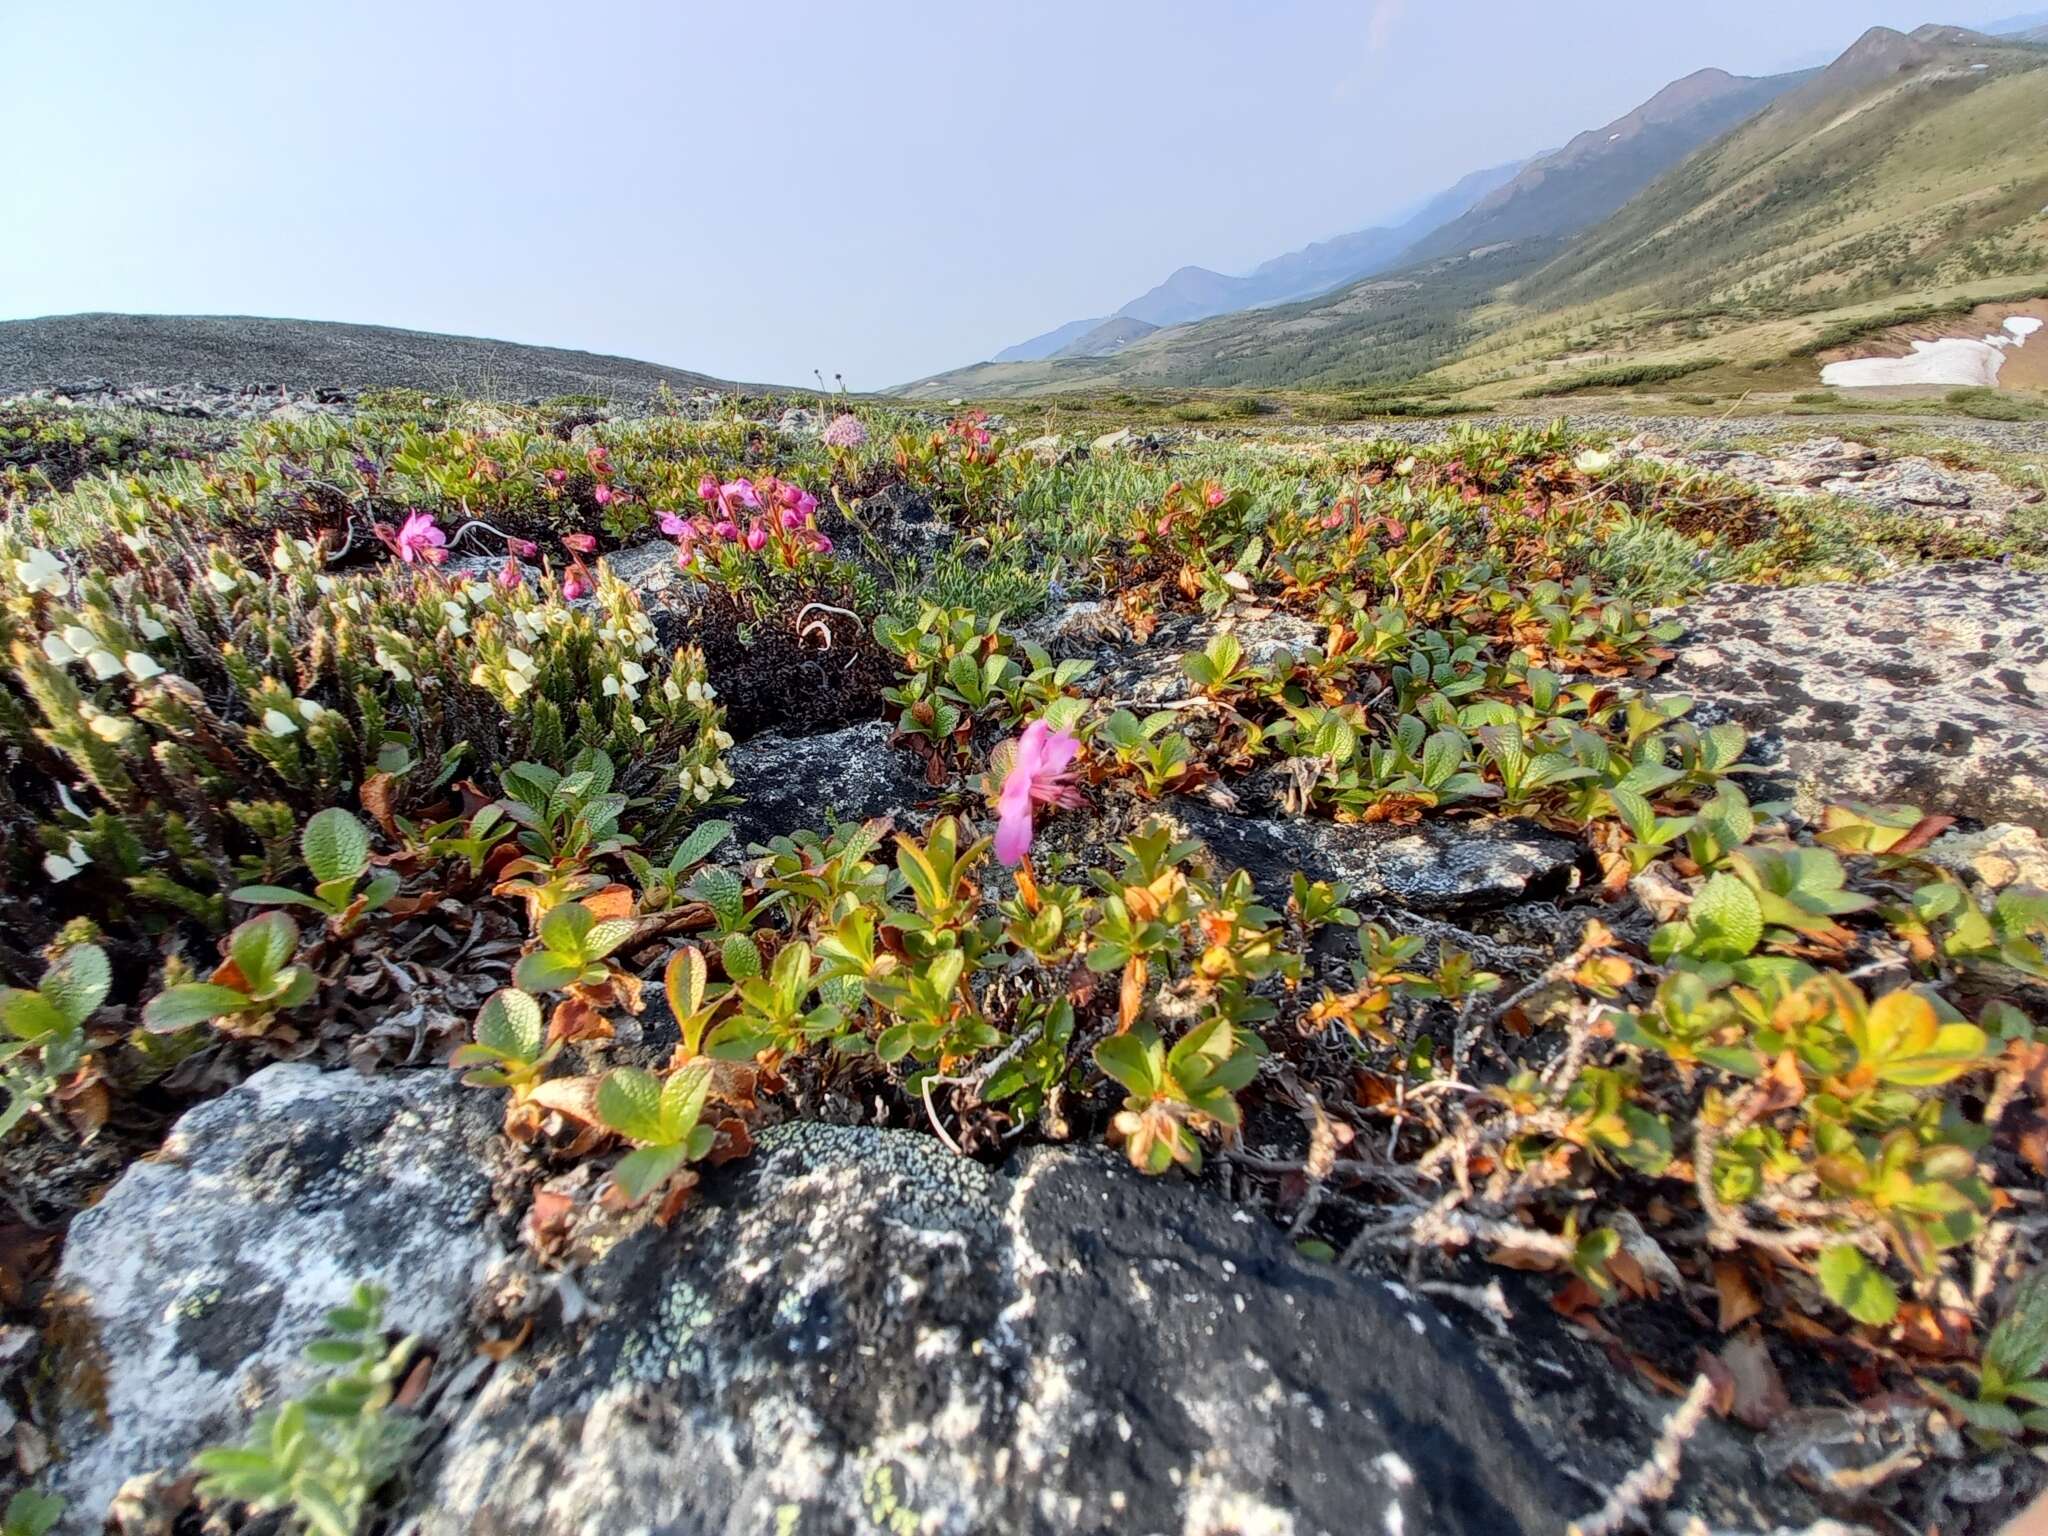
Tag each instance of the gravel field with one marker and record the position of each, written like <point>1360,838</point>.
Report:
<point>237,351</point>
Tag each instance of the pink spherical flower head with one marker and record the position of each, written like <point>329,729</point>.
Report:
<point>1039,775</point>
<point>845,431</point>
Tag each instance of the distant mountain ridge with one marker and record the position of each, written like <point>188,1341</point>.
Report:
<point>1554,194</point>
<point>1600,169</point>
<point>1196,293</point>
<point>1910,170</point>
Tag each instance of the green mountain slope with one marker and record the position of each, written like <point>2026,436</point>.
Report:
<point>1601,169</point>
<point>1912,170</point>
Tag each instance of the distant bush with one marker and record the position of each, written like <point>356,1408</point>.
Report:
<point>1236,408</point>
<point>1817,397</point>
<point>1991,405</point>
<point>1842,332</point>
<point>1623,377</point>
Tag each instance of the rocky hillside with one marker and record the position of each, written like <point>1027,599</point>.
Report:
<point>570,969</point>
<point>69,353</point>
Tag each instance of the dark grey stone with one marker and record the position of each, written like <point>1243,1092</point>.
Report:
<point>859,1331</point>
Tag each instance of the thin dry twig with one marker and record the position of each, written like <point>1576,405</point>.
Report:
<point>1652,1482</point>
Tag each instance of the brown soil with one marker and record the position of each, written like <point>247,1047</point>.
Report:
<point>774,675</point>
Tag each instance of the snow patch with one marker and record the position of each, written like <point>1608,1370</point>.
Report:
<point>1969,362</point>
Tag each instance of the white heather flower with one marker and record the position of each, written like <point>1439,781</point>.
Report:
<point>325,584</point>
<point>80,640</point>
<point>104,664</point>
<point>151,629</point>
<point>393,665</point>
<point>41,571</point>
<point>278,723</point>
<point>57,867</point>
<point>58,649</point>
<point>141,666</point>
<point>310,710</point>
<point>136,542</point>
<point>516,683</point>
<point>703,793</point>
<point>724,777</point>
<point>110,728</point>
<point>64,799</point>
<point>637,723</point>
<point>611,687</point>
<point>221,581</point>
<point>517,659</point>
<point>633,672</point>
<point>1593,462</point>
<point>670,691</point>
<point>721,740</point>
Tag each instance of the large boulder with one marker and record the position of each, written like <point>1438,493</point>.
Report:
<point>857,1330</point>
<point>187,1294</point>
<point>1931,687</point>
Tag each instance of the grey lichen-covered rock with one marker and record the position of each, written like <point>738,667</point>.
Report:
<point>186,1295</point>
<point>1146,676</point>
<point>1435,866</point>
<point>858,1331</point>
<point>1931,687</point>
<point>791,782</point>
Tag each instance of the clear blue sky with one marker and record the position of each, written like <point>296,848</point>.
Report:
<point>756,190</point>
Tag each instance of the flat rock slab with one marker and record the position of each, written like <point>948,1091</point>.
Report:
<point>1929,688</point>
<point>1436,866</point>
<point>187,1294</point>
<point>857,1331</point>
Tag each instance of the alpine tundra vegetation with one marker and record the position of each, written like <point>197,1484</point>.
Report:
<point>1304,815</point>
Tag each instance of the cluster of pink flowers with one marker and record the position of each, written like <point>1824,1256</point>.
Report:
<point>969,429</point>
<point>600,462</point>
<point>767,514</point>
<point>845,431</point>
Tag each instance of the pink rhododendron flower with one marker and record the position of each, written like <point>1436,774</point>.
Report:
<point>727,529</point>
<point>576,582</point>
<point>821,544</point>
<point>845,431</point>
<point>558,477</point>
<point>511,575</point>
<point>525,549</point>
<point>1217,496</point>
<point>757,537</point>
<point>741,492</point>
<point>707,489</point>
<point>1038,776</point>
<point>602,495</point>
<point>582,543</point>
<point>672,525</point>
<point>419,539</point>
